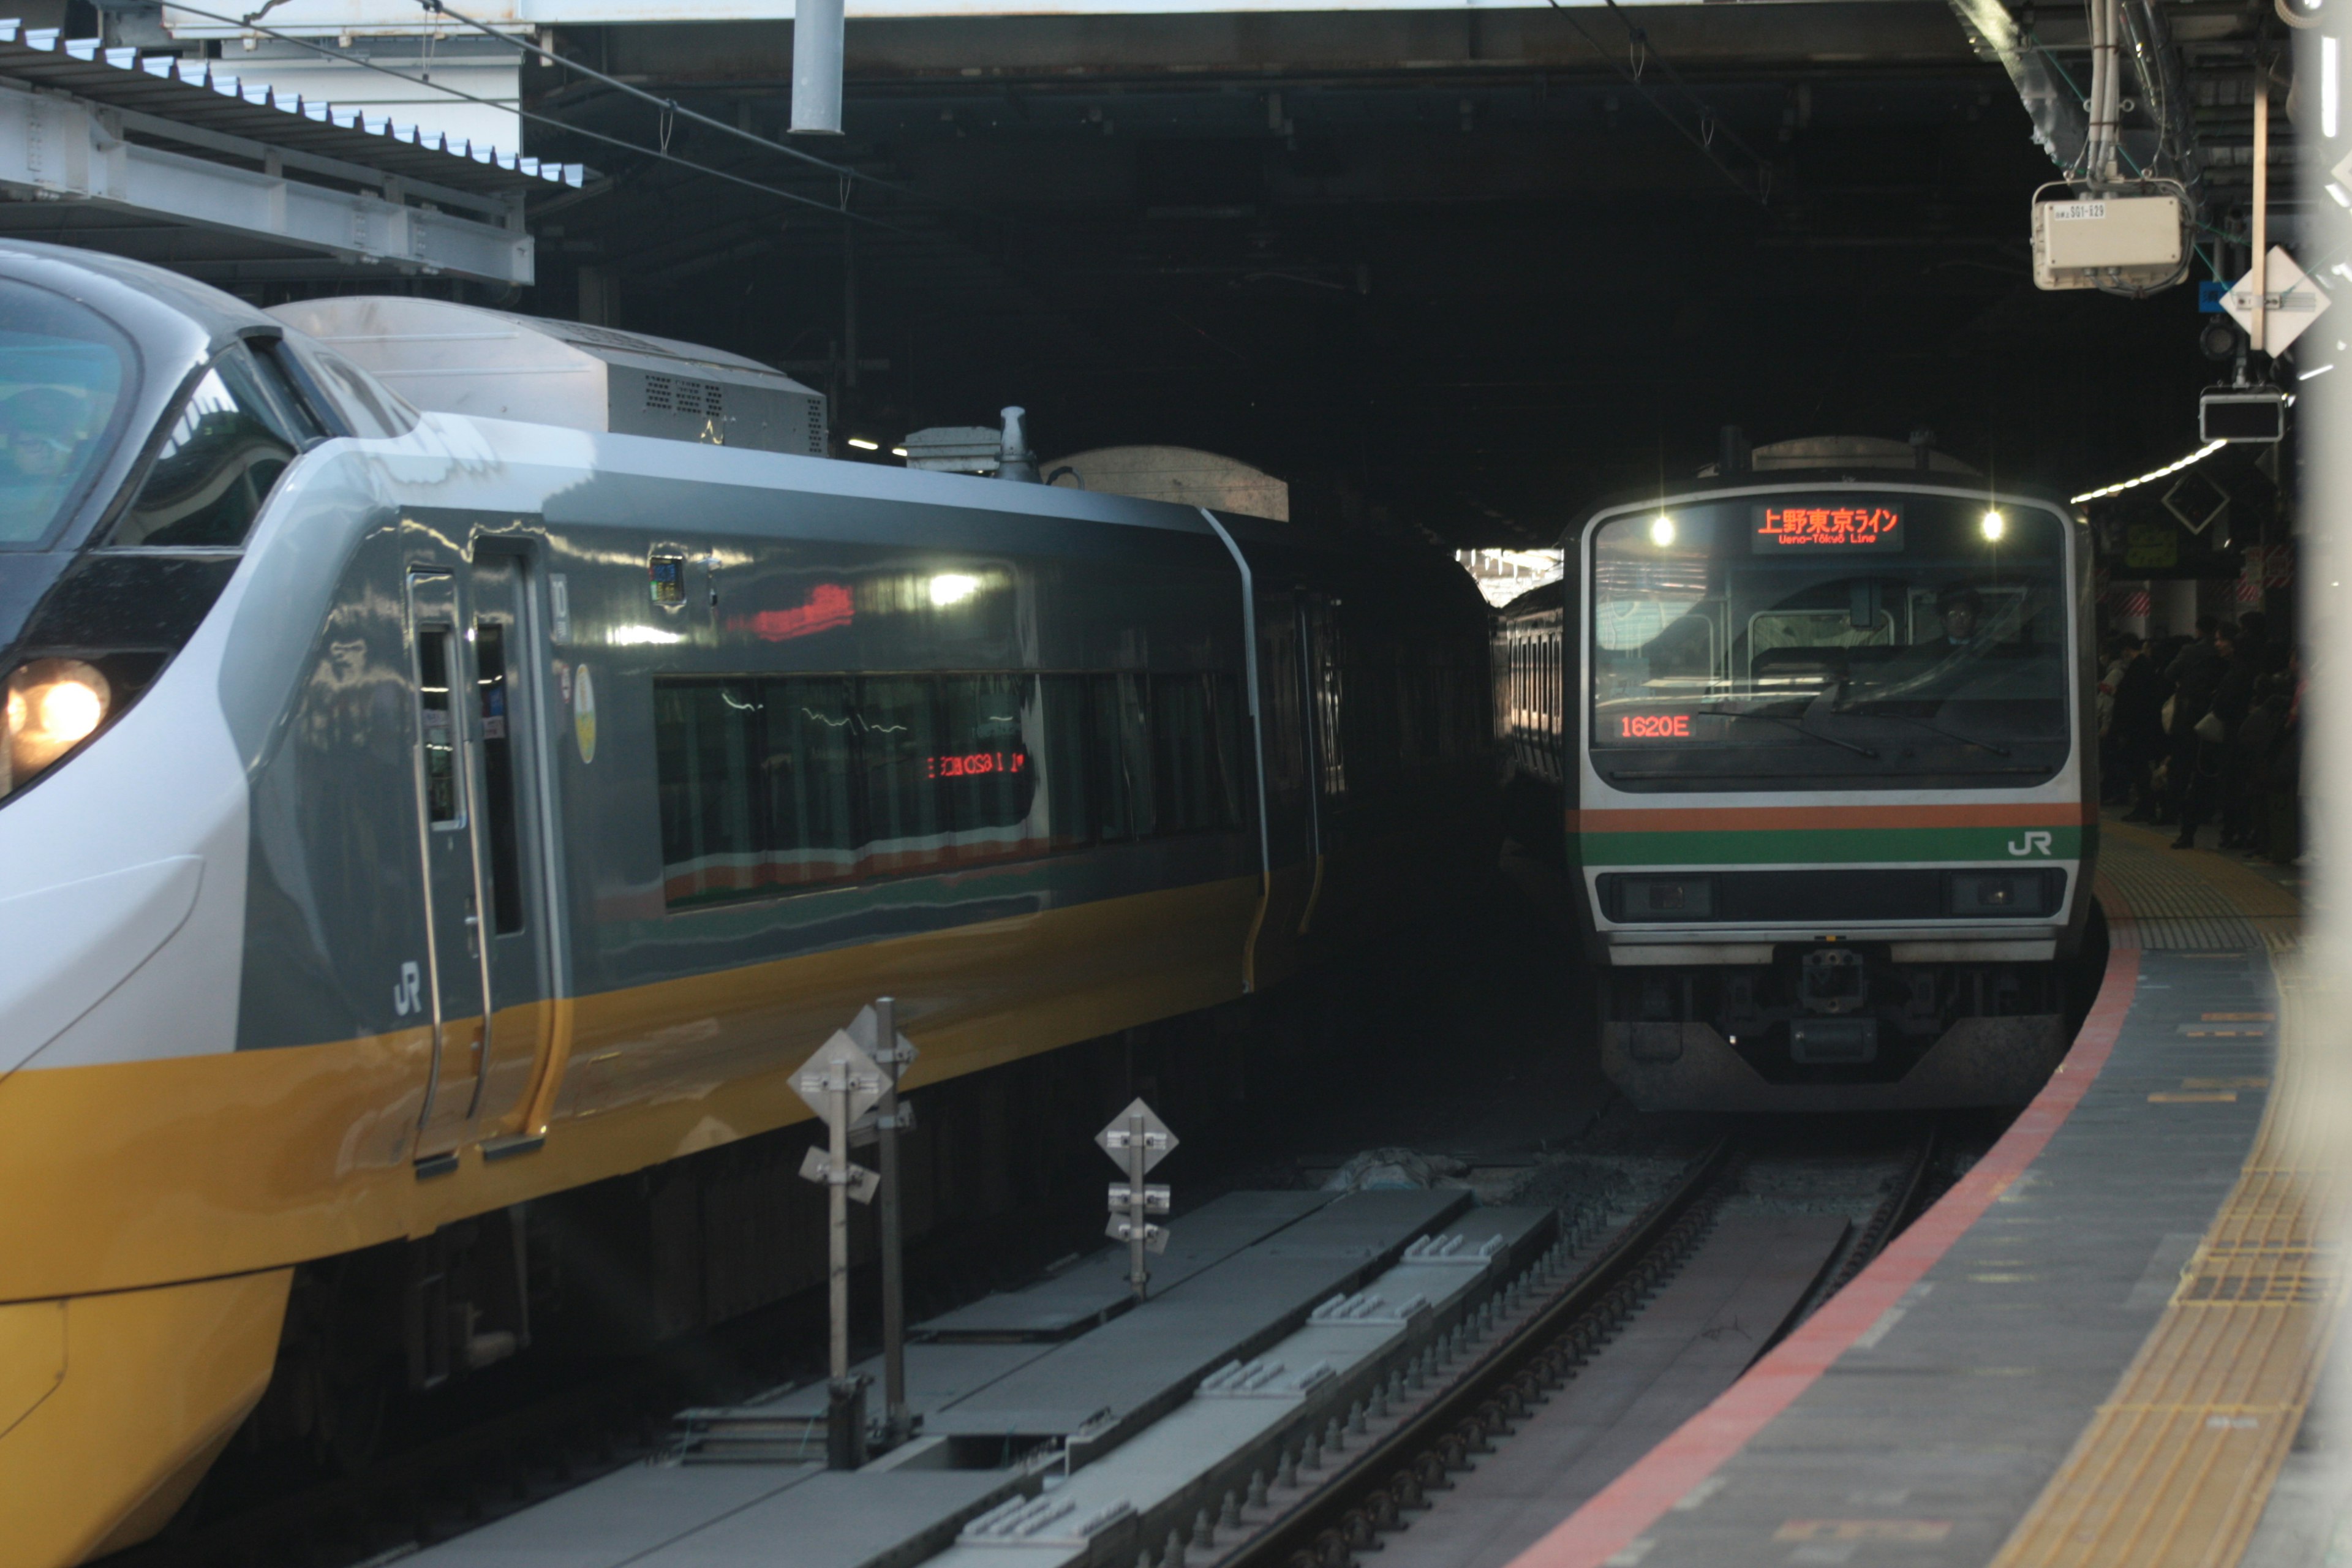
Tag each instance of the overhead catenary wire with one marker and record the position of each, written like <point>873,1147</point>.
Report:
<point>1760,194</point>
<point>670,106</point>
<point>840,212</point>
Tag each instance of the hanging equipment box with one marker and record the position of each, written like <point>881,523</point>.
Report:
<point>2107,241</point>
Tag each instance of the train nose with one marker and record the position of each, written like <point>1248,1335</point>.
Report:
<point>70,944</point>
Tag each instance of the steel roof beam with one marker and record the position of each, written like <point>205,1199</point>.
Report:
<point>56,147</point>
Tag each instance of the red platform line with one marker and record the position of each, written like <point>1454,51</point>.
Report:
<point>1635,1500</point>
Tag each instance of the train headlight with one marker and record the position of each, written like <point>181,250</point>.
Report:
<point>53,705</point>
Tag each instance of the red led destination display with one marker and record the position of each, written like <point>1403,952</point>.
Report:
<point>1837,528</point>
<point>1654,727</point>
<point>974,764</point>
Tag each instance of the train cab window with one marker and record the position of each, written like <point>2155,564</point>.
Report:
<point>222,450</point>
<point>64,375</point>
<point>444,799</point>
<point>498,777</point>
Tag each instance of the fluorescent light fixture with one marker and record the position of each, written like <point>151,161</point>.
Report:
<point>1994,525</point>
<point>953,587</point>
<point>1662,531</point>
<point>2315,370</point>
<point>863,445</point>
<point>2331,91</point>
<point>2337,194</point>
<point>897,451</point>
<point>2199,456</point>
<point>642,636</point>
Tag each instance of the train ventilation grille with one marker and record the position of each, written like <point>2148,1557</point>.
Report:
<point>684,394</point>
<point>816,427</point>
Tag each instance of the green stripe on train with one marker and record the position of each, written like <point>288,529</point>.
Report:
<point>1831,845</point>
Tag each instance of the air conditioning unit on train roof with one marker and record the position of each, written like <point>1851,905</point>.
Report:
<point>462,359</point>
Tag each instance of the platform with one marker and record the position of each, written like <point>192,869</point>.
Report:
<point>2095,1348</point>
<point>1078,1375</point>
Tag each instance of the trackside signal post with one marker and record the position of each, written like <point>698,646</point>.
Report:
<point>1136,1140</point>
<point>841,1083</point>
<point>894,1053</point>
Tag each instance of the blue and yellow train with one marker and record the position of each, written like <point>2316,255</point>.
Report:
<point>410,823</point>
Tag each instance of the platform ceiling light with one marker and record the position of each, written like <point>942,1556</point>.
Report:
<point>1994,525</point>
<point>2199,456</point>
<point>642,636</point>
<point>863,445</point>
<point>2330,85</point>
<point>897,451</point>
<point>953,587</point>
<point>1662,531</point>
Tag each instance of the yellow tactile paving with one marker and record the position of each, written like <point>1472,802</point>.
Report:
<point>2175,1468</point>
<point>2194,898</point>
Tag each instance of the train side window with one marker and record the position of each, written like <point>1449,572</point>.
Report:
<point>222,454</point>
<point>985,766</point>
<point>443,806</point>
<point>1108,776</point>
<point>1073,796</point>
<point>278,382</point>
<point>498,777</point>
<point>898,745</point>
<point>706,735</point>
<point>810,766</point>
<point>1191,754</point>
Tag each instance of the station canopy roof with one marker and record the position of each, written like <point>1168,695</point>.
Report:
<point>175,160</point>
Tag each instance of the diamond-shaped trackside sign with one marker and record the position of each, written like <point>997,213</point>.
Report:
<point>863,1029</point>
<point>1138,1121</point>
<point>840,1066</point>
<point>2295,302</point>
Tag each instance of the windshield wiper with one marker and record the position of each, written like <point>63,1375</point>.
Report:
<point>1938,728</point>
<point>1799,725</point>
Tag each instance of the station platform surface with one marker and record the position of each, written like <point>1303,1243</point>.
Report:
<point>2099,1345</point>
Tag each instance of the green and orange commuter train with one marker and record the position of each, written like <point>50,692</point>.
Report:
<point>1813,749</point>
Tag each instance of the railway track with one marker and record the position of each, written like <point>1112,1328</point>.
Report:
<point>1546,1334</point>
<point>1333,1494</point>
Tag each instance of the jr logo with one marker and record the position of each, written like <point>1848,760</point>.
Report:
<point>2035,841</point>
<point>409,994</point>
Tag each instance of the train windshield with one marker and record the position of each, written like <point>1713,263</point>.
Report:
<point>1829,641</point>
<point>64,374</point>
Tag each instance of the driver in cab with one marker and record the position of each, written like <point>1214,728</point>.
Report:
<point>1962,609</point>
<point>39,429</point>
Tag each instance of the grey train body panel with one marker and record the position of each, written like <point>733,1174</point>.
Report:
<point>1109,583</point>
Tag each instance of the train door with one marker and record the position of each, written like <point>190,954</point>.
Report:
<point>455,979</point>
<point>505,717</point>
<point>1282,732</point>
<point>1321,673</point>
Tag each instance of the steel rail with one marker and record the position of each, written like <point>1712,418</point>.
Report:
<point>1396,1471</point>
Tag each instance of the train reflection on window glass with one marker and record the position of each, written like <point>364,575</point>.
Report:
<point>773,784</point>
<point>1728,646</point>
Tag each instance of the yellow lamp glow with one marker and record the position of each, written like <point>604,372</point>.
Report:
<point>953,587</point>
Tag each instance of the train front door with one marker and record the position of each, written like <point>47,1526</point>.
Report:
<point>479,774</point>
